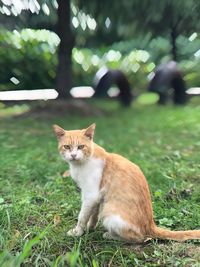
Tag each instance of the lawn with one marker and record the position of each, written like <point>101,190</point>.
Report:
<point>38,205</point>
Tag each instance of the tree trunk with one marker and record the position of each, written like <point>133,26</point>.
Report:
<point>64,72</point>
<point>173,43</point>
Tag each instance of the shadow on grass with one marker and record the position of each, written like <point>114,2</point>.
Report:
<point>52,108</point>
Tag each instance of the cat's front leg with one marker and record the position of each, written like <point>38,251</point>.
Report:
<point>87,208</point>
<point>93,220</point>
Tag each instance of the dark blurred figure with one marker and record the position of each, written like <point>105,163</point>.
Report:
<point>105,78</point>
<point>166,78</point>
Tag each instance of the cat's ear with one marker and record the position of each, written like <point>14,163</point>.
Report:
<point>60,132</point>
<point>89,132</point>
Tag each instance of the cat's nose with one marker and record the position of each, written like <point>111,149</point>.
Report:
<point>73,156</point>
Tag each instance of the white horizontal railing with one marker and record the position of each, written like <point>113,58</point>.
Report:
<point>38,94</point>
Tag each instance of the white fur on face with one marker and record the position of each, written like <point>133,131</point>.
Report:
<point>73,155</point>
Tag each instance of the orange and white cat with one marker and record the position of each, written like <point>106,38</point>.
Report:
<point>113,190</point>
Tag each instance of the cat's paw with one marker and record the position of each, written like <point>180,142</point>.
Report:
<point>107,235</point>
<point>77,231</point>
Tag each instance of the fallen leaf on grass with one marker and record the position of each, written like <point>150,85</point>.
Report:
<point>66,174</point>
<point>56,219</point>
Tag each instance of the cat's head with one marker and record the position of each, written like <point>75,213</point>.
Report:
<point>75,146</point>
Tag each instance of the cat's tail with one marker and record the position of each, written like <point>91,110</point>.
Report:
<point>179,236</point>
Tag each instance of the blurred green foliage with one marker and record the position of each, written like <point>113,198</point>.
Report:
<point>28,59</point>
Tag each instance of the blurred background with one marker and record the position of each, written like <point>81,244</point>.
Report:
<point>62,44</point>
<point>130,66</point>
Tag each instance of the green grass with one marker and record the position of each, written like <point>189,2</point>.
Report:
<point>164,141</point>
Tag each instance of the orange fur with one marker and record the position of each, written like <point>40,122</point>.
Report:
<point>126,208</point>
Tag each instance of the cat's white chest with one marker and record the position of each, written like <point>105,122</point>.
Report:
<point>88,176</point>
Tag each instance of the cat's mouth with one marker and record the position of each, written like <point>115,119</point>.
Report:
<point>74,159</point>
<point>69,159</point>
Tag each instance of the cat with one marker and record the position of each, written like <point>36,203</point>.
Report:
<point>113,189</point>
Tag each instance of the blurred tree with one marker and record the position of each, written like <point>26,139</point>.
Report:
<point>64,73</point>
<point>28,14</point>
<point>34,15</point>
<point>101,22</point>
<point>56,15</point>
<point>166,17</point>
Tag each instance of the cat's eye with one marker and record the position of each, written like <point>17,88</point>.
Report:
<point>66,147</point>
<point>81,146</point>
